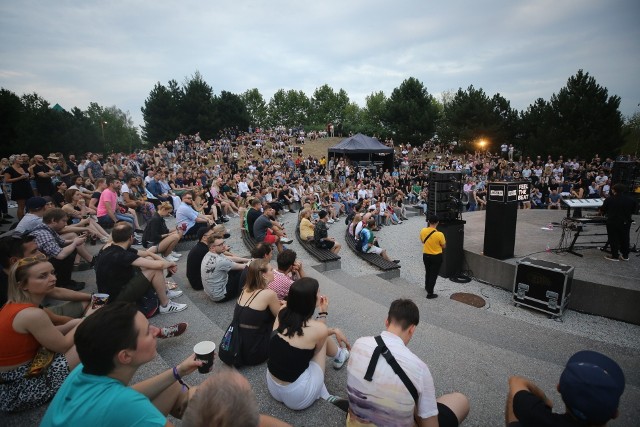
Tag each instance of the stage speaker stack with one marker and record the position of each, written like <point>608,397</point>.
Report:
<point>628,173</point>
<point>453,254</point>
<point>445,195</point>
<point>501,217</point>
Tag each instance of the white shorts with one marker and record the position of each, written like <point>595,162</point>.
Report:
<point>375,250</point>
<point>301,393</point>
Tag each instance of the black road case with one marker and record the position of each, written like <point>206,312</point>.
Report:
<point>543,285</point>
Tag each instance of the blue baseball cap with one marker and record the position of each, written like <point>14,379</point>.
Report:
<point>591,385</point>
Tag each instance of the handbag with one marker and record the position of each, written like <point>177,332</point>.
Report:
<point>41,361</point>
<point>231,344</point>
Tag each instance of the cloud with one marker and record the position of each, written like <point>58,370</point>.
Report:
<point>114,53</point>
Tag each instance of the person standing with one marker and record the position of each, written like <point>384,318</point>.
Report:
<point>433,242</point>
<point>618,208</point>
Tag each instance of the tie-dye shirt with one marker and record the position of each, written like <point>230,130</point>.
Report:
<point>385,401</point>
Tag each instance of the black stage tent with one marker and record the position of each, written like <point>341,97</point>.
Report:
<point>363,151</point>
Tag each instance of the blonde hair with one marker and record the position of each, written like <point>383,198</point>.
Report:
<point>19,276</point>
<point>165,206</point>
<point>305,213</point>
<point>255,279</point>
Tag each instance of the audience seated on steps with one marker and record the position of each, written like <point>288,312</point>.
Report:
<point>35,355</point>
<point>127,274</point>
<point>379,396</point>
<point>97,392</point>
<point>321,234</point>
<point>299,348</point>
<point>157,234</point>
<point>267,229</point>
<point>289,270</point>
<point>221,273</point>
<point>61,250</point>
<point>255,310</point>
<point>189,219</point>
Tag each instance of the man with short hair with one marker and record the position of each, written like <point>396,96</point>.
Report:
<point>61,252</point>
<point>289,270</point>
<point>253,213</point>
<point>321,234</point>
<point>221,274</point>
<point>188,216</point>
<point>127,274</point>
<point>195,256</point>
<point>265,230</point>
<point>93,169</point>
<point>379,396</point>
<point>433,242</point>
<point>43,174</point>
<point>590,385</point>
<point>113,343</point>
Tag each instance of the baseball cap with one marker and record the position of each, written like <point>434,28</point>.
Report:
<point>591,385</point>
<point>35,203</point>
<point>372,207</point>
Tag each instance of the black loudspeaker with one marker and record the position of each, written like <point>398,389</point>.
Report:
<point>453,254</point>
<point>500,230</point>
<point>445,195</point>
<point>627,173</point>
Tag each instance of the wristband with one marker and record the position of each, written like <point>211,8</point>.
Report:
<point>178,378</point>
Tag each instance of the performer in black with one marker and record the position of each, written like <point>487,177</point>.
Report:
<point>618,208</point>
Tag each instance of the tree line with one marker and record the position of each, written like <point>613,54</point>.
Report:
<point>580,120</point>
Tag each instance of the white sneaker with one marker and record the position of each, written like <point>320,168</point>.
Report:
<point>286,240</point>
<point>175,254</point>
<point>400,221</point>
<point>330,221</point>
<point>341,357</point>
<point>172,307</point>
<point>235,215</point>
<point>173,293</point>
<point>171,258</point>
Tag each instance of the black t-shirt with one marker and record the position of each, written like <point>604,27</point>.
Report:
<point>532,412</point>
<point>252,215</point>
<point>114,269</point>
<point>194,261</point>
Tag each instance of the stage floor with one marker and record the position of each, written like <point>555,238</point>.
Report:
<point>620,280</point>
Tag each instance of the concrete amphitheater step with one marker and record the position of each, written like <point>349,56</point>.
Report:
<point>472,350</point>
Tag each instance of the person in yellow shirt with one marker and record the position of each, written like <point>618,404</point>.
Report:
<point>433,242</point>
<point>306,226</point>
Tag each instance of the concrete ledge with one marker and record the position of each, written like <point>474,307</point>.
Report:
<point>328,266</point>
<point>587,297</point>
<point>389,274</point>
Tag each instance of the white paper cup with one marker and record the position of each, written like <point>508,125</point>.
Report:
<point>205,350</point>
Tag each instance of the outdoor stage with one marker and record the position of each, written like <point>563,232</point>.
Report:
<point>601,287</point>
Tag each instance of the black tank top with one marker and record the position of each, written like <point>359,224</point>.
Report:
<point>286,362</point>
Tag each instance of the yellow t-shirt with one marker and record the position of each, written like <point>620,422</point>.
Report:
<point>306,229</point>
<point>433,245</point>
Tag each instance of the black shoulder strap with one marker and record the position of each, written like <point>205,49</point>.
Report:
<point>382,349</point>
<point>427,238</point>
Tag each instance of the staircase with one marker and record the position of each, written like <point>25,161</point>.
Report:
<point>469,350</point>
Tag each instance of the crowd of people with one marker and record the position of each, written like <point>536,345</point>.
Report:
<point>123,202</point>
